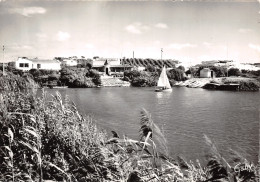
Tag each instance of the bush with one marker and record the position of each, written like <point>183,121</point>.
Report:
<point>176,74</point>
<point>234,72</point>
<point>12,82</point>
<point>79,77</point>
<point>141,78</point>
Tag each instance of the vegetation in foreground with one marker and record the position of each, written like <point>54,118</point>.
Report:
<point>48,139</point>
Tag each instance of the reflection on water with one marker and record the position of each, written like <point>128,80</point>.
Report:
<point>230,119</point>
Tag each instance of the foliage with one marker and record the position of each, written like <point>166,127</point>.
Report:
<point>181,68</point>
<point>150,68</point>
<point>193,71</point>
<point>246,85</point>
<point>141,78</point>
<point>79,77</point>
<point>150,77</point>
<point>176,74</point>
<point>234,72</point>
<point>85,63</point>
<point>94,75</point>
<point>14,82</point>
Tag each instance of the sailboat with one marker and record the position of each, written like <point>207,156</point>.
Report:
<point>163,83</point>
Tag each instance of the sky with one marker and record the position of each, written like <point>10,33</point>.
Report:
<point>189,31</point>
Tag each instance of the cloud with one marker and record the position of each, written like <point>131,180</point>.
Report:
<point>63,36</point>
<point>28,11</point>
<point>181,46</point>
<point>136,28</point>
<point>254,46</point>
<point>161,25</point>
<point>245,30</point>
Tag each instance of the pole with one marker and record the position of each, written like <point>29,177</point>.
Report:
<point>161,53</point>
<point>3,59</point>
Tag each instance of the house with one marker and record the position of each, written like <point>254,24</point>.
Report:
<point>70,62</point>
<point>110,66</point>
<point>206,73</point>
<point>26,64</point>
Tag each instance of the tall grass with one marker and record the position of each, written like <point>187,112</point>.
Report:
<point>48,139</point>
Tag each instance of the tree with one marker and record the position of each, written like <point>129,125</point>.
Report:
<point>176,74</point>
<point>150,68</point>
<point>234,72</point>
<point>181,68</point>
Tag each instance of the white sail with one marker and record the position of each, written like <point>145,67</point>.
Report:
<point>163,80</point>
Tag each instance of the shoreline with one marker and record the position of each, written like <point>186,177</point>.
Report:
<point>222,83</point>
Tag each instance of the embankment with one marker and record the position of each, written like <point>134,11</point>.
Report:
<point>224,83</point>
<point>107,81</point>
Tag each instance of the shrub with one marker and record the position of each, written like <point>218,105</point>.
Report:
<point>79,77</point>
<point>234,72</point>
<point>176,74</point>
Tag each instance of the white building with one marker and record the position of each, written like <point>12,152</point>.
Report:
<point>70,62</point>
<point>26,64</point>
<point>206,73</point>
<point>110,61</point>
<point>109,66</point>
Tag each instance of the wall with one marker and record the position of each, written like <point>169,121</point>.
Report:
<point>47,66</point>
<point>23,61</point>
<point>33,64</point>
<point>205,73</point>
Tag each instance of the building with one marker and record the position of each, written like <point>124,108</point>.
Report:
<point>70,62</point>
<point>215,62</point>
<point>26,64</point>
<point>110,66</point>
<point>206,73</point>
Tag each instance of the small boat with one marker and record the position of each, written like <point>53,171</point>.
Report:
<point>163,84</point>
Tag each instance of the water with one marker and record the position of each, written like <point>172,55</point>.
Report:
<point>230,119</point>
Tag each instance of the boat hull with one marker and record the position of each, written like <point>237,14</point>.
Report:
<point>163,90</point>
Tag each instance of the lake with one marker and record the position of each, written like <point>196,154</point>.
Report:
<point>230,119</point>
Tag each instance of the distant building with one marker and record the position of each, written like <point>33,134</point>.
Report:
<point>70,62</point>
<point>206,73</point>
<point>217,61</point>
<point>109,66</point>
<point>26,64</point>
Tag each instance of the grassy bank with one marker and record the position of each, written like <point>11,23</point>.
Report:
<point>48,139</point>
